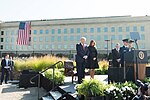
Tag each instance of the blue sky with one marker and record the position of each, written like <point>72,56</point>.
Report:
<point>17,10</point>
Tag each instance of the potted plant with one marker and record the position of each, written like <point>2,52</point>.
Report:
<point>91,89</point>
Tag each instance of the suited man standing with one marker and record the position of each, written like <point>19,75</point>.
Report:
<point>11,68</point>
<point>81,58</point>
<point>116,56</point>
<point>5,69</point>
<point>123,50</point>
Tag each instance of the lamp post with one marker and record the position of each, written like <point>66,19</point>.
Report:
<point>107,46</point>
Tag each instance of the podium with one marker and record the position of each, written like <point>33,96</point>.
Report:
<point>137,59</point>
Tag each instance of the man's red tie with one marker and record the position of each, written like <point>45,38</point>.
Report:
<point>83,46</point>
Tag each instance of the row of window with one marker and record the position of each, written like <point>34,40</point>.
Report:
<point>83,30</point>
<point>72,38</point>
<point>59,46</point>
<point>90,30</point>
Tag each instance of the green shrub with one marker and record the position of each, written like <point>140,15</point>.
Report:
<point>58,76</point>
<point>91,87</point>
<point>37,64</point>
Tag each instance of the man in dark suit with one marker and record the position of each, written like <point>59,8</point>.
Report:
<point>11,68</point>
<point>123,50</point>
<point>116,56</point>
<point>5,69</point>
<point>81,58</point>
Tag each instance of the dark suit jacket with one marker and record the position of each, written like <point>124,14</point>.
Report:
<point>115,55</point>
<point>3,63</point>
<point>11,64</point>
<point>81,52</point>
<point>123,50</point>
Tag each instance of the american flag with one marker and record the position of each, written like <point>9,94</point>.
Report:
<point>24,33</point>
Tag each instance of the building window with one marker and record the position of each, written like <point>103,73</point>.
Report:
<point>46,46</point>
<point>41,46</point>
<point>142,28</point>
<point>113,45</point>
<point>41,39</point>
<point>72,30</point>
<point>52,38</point>
<point>29,47</point>
<point>7,39</point>
<point>59,38</point>
<point>41,31</point>
<point>46,39</point>
<point>6,47</point>
<point>85,30</point>
<point>72,46</point>
<point>78,38</point>
<point>59,31</point>
<point>34,39</point>
<point>12,47</point>
<point>105,46</point>
<point>119,29</point>
<point>112,29</point>
<point>105,29</point>
<point>98,37</point>
<point>98,30</point>
<point>12,39</point>
<point>53,46</point>
<point>120,37</point>
<point>65,46</point>
<point>59,46</point>
<point>135,28</point>
<point>78,30</point>
<point>47,31</point>
<point>113,37</point>
<point>91,30</point>
<point>127,36</point>
<point>71,38</point>
<point>34,46</point>
<point>12,32</point>
<point>128,29</point>
<point>65,31</point>
<point>65,38</point>
<point>105,37</point>
<point>7,33</point>
<point>35,32</point>
<point>142,37</point>
<point>98,46</point>
<point>53,31</point>
<point>2,39</point>
<point>91,37</point>
<point>1,47</point>
<point>143,46</point>
<point>2,32</point>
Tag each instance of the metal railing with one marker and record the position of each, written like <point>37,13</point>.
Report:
<point>39,78</point>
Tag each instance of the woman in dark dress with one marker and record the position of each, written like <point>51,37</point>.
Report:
<point>92,59</point>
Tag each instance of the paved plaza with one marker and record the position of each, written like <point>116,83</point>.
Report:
<point>12,92</point>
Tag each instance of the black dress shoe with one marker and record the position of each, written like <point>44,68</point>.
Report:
<point>6,83</point>
<point>0,83</point>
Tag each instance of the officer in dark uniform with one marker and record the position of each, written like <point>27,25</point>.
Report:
<point>131,48</point>
<point>123,50</point>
